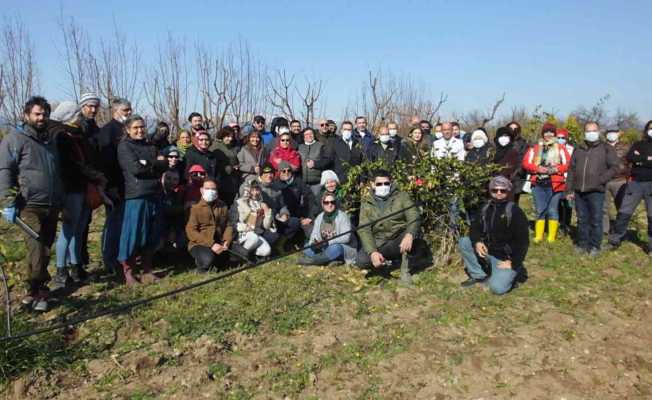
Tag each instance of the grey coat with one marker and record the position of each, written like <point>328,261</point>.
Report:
<point>591,167</point>
<point>31,164</point>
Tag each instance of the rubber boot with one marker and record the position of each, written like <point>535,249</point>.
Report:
<point>147,276</point>
<point>129,278</point>
<point>553,226</point>
<point>539,228</point>
<point>406,277</point>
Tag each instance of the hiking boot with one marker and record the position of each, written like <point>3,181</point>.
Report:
<point>78,274</point>
<point>60,279</point>
<point>471,282</point>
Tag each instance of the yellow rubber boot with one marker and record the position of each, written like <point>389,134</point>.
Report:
<point>539,227</point>
<point>553,226</point>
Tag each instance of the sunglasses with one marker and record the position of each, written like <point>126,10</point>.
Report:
<point>198,174</point>
<point>383,183</point>
<point>173,156</point>
<point>328,202</point>
<point>499,190</point>
<point>285,140</point>
<point>285,171</point>
<point>323,124</point>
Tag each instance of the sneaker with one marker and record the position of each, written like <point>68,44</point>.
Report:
<point>60,279</point>
<point>27,300</point>
<point>595,252</point>
<point>40,303</point>
<point>580,251</point>
<point>611,246</point>
<point>471,282</point>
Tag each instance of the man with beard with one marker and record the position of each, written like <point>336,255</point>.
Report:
<point>196,126</point>
<point>31,188</point>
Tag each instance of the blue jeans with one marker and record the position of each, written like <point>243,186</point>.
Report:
<point>111,236</point>
<point>333,252</point>
<point>546,202</point>
<point>75,217</point>
<point>471,263</point>
<point>589,208</point>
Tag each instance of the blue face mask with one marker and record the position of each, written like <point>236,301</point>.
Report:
<point>561,140</point>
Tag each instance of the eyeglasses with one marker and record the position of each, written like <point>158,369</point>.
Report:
<point>285,171</point>
<point>328,202</point>
<point>387,183</point>
<point>171,156</point>
<point>203,140</point>
<point>323,124</point>
<point>498,190</point>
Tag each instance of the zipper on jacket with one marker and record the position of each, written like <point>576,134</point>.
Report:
<point>586,162</point>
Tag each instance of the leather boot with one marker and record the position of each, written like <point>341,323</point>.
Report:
<point>129,278</point>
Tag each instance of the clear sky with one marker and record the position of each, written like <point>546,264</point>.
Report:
<point>558,53</point>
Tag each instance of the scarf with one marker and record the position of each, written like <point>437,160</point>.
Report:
<point>329,218</point>
<point>548,154</point>
<point>183,146</point>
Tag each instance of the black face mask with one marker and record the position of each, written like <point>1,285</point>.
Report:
<point>425,131</point>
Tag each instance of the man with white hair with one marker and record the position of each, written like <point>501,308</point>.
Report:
<point>448,146</point>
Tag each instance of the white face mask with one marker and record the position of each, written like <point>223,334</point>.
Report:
<point>310,142</point>
<point>384,138</point>
<point>439,135</point>
<point>504,140</point>
<point>591,136</point>
<point>209,195</point>
<point>346,135</point>
<point>649,133</point>
<point>393,132</point>
<point>478,143</point>
<point>613,137</point>
<point>382,191</point>
<point>122,119</point>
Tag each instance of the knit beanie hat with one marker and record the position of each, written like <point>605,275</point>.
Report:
<point>89,97</point>
<point>500,182</point>
<point>548,127</point>
<point>328,175</point>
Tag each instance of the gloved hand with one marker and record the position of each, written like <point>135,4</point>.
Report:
<point>10,214</point>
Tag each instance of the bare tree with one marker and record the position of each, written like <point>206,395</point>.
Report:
<point>280,95</point>
<point>247,92</point>
<point>166,86</point>
<point>309,98</point>
<point>597,112</point>
<point>76,55</point>
<point>624,120</point>
<point>19,73</point>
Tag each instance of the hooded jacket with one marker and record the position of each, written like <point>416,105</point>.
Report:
<point>373,208</point>
<point>30,163</point>
<point>591,167</point>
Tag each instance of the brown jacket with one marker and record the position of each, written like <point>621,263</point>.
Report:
<point>208,224</point>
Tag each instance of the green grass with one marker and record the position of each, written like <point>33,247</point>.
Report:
<point>277,303</point>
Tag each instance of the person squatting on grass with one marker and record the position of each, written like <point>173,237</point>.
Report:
<point>494,252</point>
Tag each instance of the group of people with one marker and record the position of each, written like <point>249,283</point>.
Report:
<point>241,194</point>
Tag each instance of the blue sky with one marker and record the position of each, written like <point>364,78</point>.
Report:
<point>556,53</point>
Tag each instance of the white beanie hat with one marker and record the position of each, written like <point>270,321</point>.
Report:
<point>328,175</point>
<point>65,111</point>
<point>88,97</point>
<point>479,134</point>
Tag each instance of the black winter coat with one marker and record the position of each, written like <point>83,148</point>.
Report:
<point>107,145</point>
<point>207,160</point>
<point>345,157</point>
<point>142,171</point>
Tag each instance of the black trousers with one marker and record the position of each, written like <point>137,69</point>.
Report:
<point>205,258</point>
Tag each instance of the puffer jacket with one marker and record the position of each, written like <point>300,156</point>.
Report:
<point>30,163</point>
<point>558,179</point>
<point>314,152</point>
<point>373,208</point>
<point>140,168</point>
<point>591,167</point>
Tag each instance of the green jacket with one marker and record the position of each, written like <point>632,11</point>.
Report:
<point>374,236</point>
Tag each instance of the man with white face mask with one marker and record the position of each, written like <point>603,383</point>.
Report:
<point>615,189</point>
<point>393,238</point>
<point>346,151</point>
<point>448,145</point>
<point>639,188</point>
<point>592,165</point>
<point>385,149</point>
<point>208,230</point>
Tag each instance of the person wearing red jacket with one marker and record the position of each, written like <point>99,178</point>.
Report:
<point>547,162</point>
<point>284,152</point>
